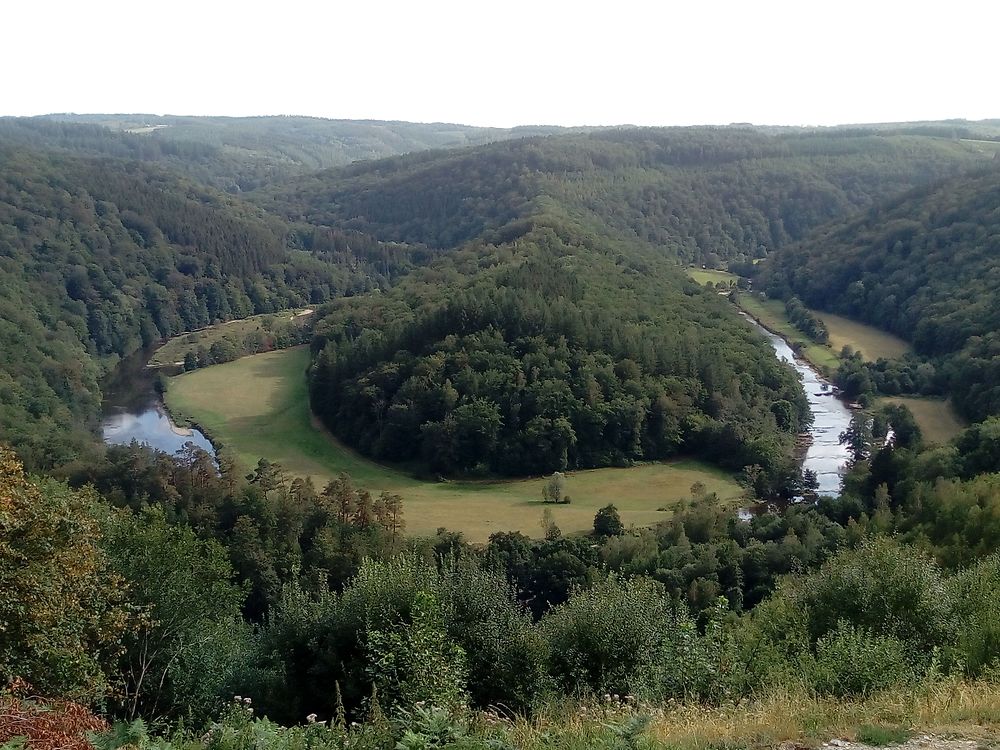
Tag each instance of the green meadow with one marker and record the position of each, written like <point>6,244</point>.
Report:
<point>258,407</point>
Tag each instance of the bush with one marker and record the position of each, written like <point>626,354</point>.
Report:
<point>883,588</point>
<point>976,593</point>
<point>851,662</point>
<point>415,662</point>
<point>607,522</point>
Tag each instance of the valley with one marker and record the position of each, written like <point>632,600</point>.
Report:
<point>495,460</point>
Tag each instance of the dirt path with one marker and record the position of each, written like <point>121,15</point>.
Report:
<point>921,742</point>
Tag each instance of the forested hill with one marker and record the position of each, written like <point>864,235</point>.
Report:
<point>238,154</point>
<point>100,257</point>
<point>556,350</point>
<point>694,194</point>
<point>925,266</point>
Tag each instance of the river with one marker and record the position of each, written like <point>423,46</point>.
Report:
<point>825,455</point>
<point>132,410</point>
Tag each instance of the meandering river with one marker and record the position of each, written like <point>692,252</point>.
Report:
<point>133,410</point>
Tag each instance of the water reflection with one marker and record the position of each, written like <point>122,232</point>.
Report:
<point>132,410</point>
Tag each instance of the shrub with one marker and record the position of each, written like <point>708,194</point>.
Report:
<point>607,522</point>
<point>976,593</point>
<point>851,662</point>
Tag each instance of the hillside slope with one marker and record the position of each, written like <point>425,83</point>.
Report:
<point>101,257</point>
<point>238,154</point>
<point>695,194</point>
<point>925,266</point>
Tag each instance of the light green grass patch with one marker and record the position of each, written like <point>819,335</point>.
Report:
<point>936,418</point>
<point>709,276</point>
<point>870,342</point>
<point>173,351</point>
<point>258,407</point>
<point>771,314</point>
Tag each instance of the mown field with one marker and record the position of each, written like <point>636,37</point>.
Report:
<point>936,417</point>
<point>172,352</point>
<point>711,276</point>
<point>869,341</point>
<point>257,407</point>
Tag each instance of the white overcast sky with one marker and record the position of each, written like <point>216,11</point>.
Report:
<point>506,62</point>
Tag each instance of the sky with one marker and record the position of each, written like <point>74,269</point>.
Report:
<point>506,62</point>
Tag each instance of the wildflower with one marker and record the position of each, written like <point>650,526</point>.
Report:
<point>311,718</point>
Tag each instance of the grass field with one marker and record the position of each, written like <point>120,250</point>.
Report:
<point>707,275</point>
<point>174,350</point>
<point>937,420</point>
<point>257,407</point>
<point>869,341</point>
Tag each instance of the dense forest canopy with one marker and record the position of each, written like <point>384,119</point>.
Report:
<point>925,266</point>
<point>238,154</point>
<point>551,352</point>
<point>696,194</point>
<point>556,333</point>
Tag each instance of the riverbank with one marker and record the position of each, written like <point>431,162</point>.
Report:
<point>936,418</point>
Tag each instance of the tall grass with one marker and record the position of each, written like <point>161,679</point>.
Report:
<point>943,706</point>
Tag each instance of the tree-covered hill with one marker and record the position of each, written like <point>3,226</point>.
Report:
<point>101,257</point>
<point>238,154</point>
<point>925,266</point>
<point>557,349</point>
<point>695,194</point>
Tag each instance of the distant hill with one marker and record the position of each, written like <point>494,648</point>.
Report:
<point>925,266</point>
<point>238,154</point>
<point>698,195</point>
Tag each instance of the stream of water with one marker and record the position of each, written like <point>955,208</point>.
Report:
<point>133,410</point>
<point>825,455</point>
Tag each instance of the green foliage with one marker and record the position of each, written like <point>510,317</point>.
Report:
<point>696,194</point>
<point>976,592</point>
<point>607,522</point>
<point>882,735</point>
<point>60,599</point>
<point>803,319</point>
<point>554,491</point>
<point>415,663</point>
<point>851,662</point>
<point>180,657</point>
<point>607,639</point>
<point>102,258</point>
<point>882,588</point>
<point>239,154</point>
<point>534,365</point>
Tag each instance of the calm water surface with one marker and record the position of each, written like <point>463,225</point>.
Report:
<point>132,410</point>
